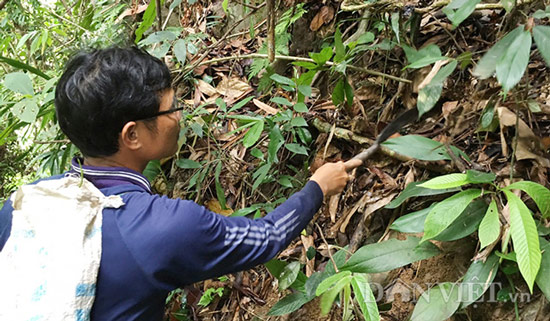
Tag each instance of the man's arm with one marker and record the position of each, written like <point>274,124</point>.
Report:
<point>179,242</point>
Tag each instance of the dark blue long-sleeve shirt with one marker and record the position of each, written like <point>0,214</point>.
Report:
<point>154,244</point>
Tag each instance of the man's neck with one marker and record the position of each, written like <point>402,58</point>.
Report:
<point>115,160</point>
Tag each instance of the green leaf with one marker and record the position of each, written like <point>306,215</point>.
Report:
<point>541,34</point>
<point>418,147</point>
<point>539,194</point>
<point>339,49</point>
<point>148,20</point>
<point>525,238</point>
<point>19,82</point>
<point>289,304</point>
<point>540,14</point>
<point>305,90</point>
<point>187,163</point>
<point>423,57</point>
<point>508,5</point>
<point>192,48</point>
<point>465,224</point>
<point>281,101</point>
<point>412,222</point>
<point>329,282</point>
<point>428,97</point>
<point>430,94</point>
<point>26,110</point>
<point>477,280</point>
<point>260,174</point>
<point>152,170</point>
<point>389,255</point>
<point>338,95</point>
<point>533,106</point>
<point>24,66</point>
<point>305,64</point>
<point>285,181</point>
<point>301,108</point>
<point>282,80</point>
<point>180,51</point>
<point>276,140</point>
<point>367,37</point>
<point>225,5</point>
<point>543,277</point>
<point>512,64</point>
<point>489,229</point>
<point>288,275</point>
<point>253,134</point>
<point>220,193</point>
<point>322,57</point>
<point>446,181</point>
<point>221,104</point>
<point>348,90</point>
<point>365,297</point>
<point>477,177</point>
<point>438,303</point>
<point>413,190</point>
<point>257,153</point>
<point>296,148</point>
<point>240,104</point>
<point>329,296</point>
<point>157,37</point>
<point>298,122</point>
<point>487,65</point>
<point>458,10</point>
<point>446,211</point>
<point>395,25</point>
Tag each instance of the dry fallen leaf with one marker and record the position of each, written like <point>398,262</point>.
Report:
<point>371,208</point>
<point>206,88</point>
<point>448,108</point>
<point>265,107</point>
<point>325,15</point>
<point>216,207</point>
<point>233,88</point>
<point>131,12</point>
<point>528,144</point>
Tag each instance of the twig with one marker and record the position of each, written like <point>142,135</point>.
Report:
<point>271,30</point>
<point>328,248</point>
<point>159,15</point>
<point>482,6</point>
<point>55,141</point>
<point>167,18</point>
<point>294,58</point>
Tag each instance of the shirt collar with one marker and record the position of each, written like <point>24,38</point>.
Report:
<point>103,177</point>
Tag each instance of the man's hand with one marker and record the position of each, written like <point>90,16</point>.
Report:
<point>333,177</point>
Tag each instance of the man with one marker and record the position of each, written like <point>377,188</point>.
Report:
<point>116,106</point>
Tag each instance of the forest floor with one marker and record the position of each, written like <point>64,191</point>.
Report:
<point>455,120</point>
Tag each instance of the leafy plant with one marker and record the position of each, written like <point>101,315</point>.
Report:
<point>346,278</point>
<point>441,216</point>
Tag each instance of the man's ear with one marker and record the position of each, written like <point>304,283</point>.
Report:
<point>129,136</point>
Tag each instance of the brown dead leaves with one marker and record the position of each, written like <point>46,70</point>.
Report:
<point>324,16</point>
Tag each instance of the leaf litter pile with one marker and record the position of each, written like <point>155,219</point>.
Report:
<point>255,131</point>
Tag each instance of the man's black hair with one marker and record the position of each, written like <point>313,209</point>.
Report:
<point>103,89</point>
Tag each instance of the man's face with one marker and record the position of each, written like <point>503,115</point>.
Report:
<point>163,142</point>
